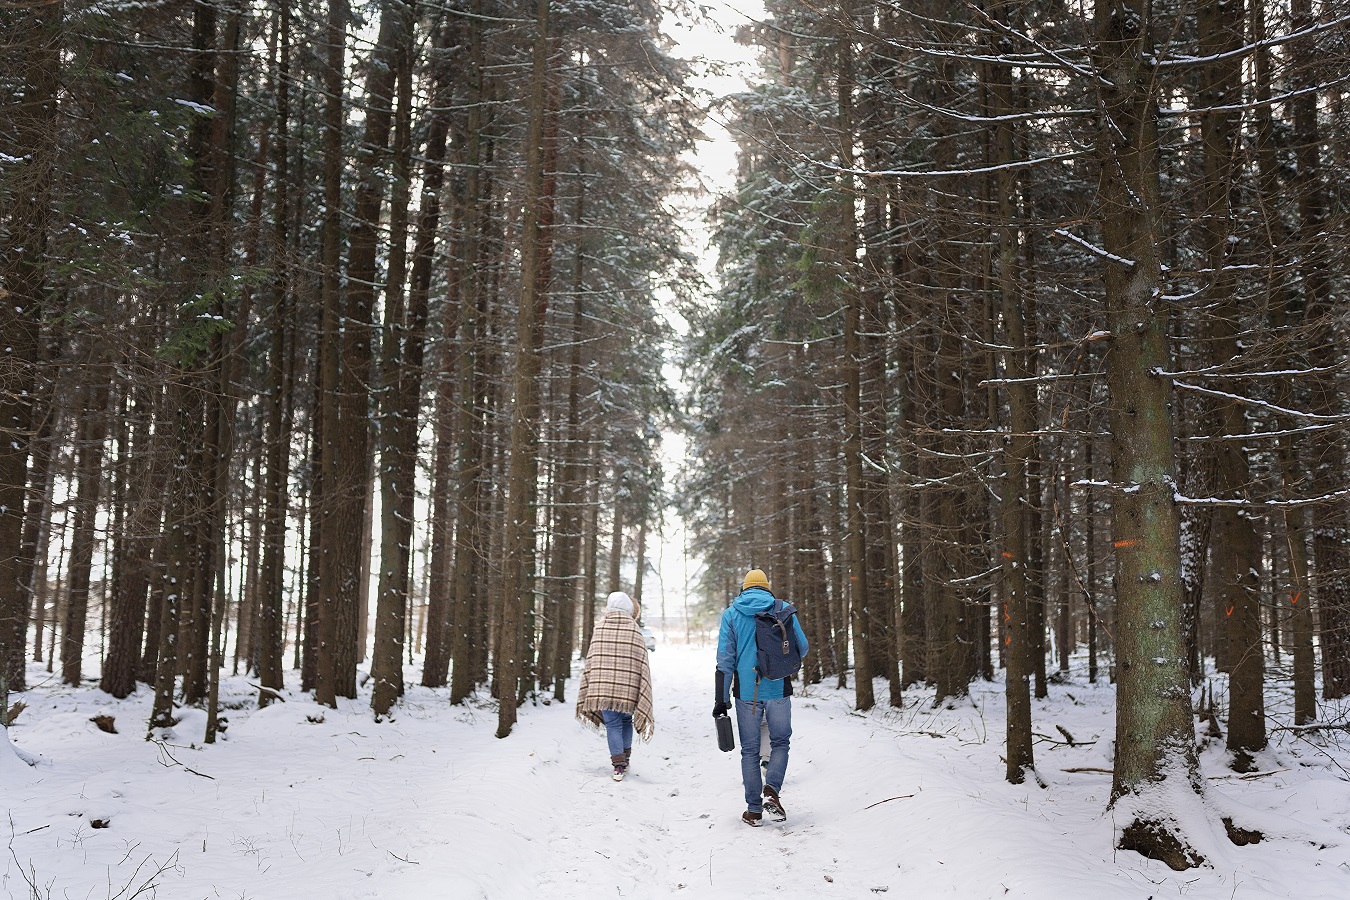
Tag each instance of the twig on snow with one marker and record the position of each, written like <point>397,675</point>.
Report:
<point>888,800</point>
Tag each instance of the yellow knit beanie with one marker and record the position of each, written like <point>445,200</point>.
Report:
<point>755,578</point>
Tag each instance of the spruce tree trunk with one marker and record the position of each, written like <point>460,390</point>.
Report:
<point>445,494</point>
<point>523,460</point>
<point>36,39</point>
<point>143,499</point>
<point>1019,445</point>
<point>1326,447</point>
<point>566,567</point>
<point>855,541</point>
<point>468,636</point>
<point>270,640</point>
<point>1293,477</point>
<point>1235,551</point>
<point>592,550</point>
<point>1155,764</point>
<point>616,534</point>
<point>402,386</point>
<point>350,489</point>
<point>175,587</point>
<point>878,525</point>
<point>90,439</point>
<point>339,514</point>
<point>223,400</point>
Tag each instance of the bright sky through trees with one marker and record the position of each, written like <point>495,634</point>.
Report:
<point>723,67</point>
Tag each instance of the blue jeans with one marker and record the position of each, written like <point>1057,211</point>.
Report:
<point>618,730</point>
<point>778,713</point>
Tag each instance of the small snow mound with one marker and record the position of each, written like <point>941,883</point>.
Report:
<point>16,766</point>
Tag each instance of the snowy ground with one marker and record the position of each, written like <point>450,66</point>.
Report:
<point>299,801</point>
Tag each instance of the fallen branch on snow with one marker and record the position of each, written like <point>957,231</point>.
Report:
<point>889,799</point>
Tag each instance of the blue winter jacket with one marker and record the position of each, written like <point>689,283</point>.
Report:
<point>736,644</point>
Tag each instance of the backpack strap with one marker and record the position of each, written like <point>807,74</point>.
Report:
<point>778,607</point>
<point>785,623</point>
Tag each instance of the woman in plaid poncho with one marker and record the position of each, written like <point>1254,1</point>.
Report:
<point>616,686</point>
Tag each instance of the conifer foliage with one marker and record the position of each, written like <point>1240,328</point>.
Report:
<point>331,337</point>
<point>1031,338</point>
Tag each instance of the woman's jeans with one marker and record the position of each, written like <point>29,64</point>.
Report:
<point>618,730</point>
<point>778,713</point>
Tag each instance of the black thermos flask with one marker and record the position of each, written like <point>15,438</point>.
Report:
<point>726,742</point>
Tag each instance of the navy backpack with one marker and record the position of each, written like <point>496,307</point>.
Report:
<point>778,655</point>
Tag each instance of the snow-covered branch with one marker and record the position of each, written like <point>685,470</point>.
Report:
<point>1093,248</point>
<point>1248,49</point>
<point>1259,404</point>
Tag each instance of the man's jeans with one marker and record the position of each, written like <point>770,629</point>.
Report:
<point>618,730</point>
<point>778,713</point>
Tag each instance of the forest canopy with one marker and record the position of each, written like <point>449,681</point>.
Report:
<point>336,338</point>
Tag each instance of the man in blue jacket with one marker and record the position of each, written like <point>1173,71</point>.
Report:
<point>756,698</point>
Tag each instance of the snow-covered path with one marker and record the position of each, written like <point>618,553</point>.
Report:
<point>301,801</point>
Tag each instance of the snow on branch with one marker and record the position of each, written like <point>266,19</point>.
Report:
<point>1274,40</point>
<point>1033,115</point>
<point>1093,248</point>
<point>1183,500</point>
<point>1251,401</point>
<point>941,173</point>
<point>1181,111</point>
<point>1215,372</point>
<point>1052,54</point>
<point>1039,379</point>
<point>1261,435</point>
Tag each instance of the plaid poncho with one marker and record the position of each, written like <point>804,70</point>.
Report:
<point>618,675</point>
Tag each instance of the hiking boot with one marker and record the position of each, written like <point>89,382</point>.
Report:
<point>619,772</point>
<point>754,820</point>
<point>620,763</point>
<point>772,805</point>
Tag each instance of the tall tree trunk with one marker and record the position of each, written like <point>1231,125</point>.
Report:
<point>878,523</point>
<point>351,488</point>
<point>1235,550</point>
<point>1019,444</point>
<point>592,551</point>
<point>1327,454</point>
<point>855,541</point>
<point>402,382</point>
<point>641,562</point>
<point>271,613</point>
<point>37,39</point>
<point>144,501</point>
<point>338,501</point>
<point>1155,766</point>
<point>229,348</point>
<point>91,434</point>
<point>567,560</point>
<point>193,622</point>
<point>175,588</point>
<point>469,622</point>
<point>616,534</point>
<point>1279,306</point>
<point>535,271</point>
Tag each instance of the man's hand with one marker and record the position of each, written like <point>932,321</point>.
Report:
<point>719,709</point>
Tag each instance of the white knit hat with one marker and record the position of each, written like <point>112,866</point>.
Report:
<point>620,601</point>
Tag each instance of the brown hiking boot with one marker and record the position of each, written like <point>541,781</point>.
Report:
<point>620,763</point>
<point>754,820</point>
<point>772,805</point>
